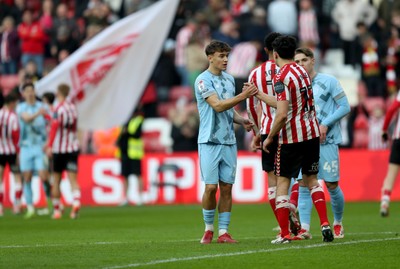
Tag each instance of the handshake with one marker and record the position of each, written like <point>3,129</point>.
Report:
<point>249,89</point>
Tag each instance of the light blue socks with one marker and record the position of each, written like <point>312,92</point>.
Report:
<point>337,201</point>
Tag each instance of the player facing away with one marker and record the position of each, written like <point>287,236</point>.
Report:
<point>296,123</point>
<point>261,110</point>
<point>33,136</point>
<point>9,148</point>
<point>394,159</point>
<point>331,106</point>
<point>63,145</point>
<point>215,94</point>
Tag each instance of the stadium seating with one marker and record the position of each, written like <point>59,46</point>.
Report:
<point>8,82</point>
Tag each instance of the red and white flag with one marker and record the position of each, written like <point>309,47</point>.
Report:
<point>108,74</point>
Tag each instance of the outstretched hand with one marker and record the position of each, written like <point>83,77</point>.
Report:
<point>249,89</point>
<point>247,124</point>
<point>268,141</point>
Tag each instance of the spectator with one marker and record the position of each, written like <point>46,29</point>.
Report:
<point>32,41</point>
<point>9,47</point>
<point>182,40</point>
<point>308,25</point>
<point>17,10</point>
<point>228,32</point>
<point>64,41</point>
<point>347,13</point>
<point>62,20</point>
<point>196,60</point>
<point>165,74</point>
<point>46,21</point>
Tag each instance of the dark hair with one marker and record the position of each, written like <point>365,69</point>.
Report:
<point>285,46</point>
<point>10,98</point>
<point>26,85</point>
<point>269,39</point>
<point>49,96</point>
<point>306,51</point>
<point>217,46</point>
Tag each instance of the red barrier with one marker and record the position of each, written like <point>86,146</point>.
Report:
<point>175,178</point>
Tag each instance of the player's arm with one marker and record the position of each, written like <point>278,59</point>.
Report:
<point>55,124</point>
<point>282,109</point>
<point>269,100</point>
<point>388,118</point>
<point>26,117</point>
<point>222,105</point>
<point>15,135</point>
<point>342,109</point>
<point>246,123</point>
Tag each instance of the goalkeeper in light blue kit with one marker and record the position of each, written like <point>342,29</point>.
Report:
<point>331,106</point>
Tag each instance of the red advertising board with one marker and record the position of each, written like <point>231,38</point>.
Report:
<point>175,178</point>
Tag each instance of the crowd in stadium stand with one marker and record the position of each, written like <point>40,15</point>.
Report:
<point>357,40</point>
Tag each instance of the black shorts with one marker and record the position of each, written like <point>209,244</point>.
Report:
<point>65,162</point>
<point>11,160</point>
<point>290,158</point>
<point>395,152</point>
<point>130,166</point>
<point>268,159</point>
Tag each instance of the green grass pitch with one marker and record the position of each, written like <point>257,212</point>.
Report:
<point>168,237</point>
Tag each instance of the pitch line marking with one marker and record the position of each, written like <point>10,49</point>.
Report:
<point>155,262</point>
<point>167,241</point>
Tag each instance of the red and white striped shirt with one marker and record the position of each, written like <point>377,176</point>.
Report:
<point>63,134</point>
<point>262,76</point>
<point>9,132</point>
<point>389,115</point>
<point>293,84</point>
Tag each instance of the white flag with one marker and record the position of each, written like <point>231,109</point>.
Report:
<point>108,74</point>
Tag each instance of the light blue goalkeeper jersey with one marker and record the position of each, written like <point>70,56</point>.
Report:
<point>331,105</point>
<point>215,127</point>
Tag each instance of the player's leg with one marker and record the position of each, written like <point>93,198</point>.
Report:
<point>388,183</point>
<point>310,171</point>
<point>209,157</point>
<point>56,195</point>
<point>14,167</point>
<point>287,166</point>
<point>28,194</point>
<point>72,169</point>
<point>227,172</point>
<point>305,208</point>
<point>26,167</point>
<point>329,170</point>
<point>268,165</point>
<point>41,166</point>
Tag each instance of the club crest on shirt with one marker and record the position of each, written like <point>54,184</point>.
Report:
<point>279,87</point>
<point>201,86</point>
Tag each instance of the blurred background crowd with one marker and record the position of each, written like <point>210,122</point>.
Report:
<point>358,41</point>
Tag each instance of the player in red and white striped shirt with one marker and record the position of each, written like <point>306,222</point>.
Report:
<point>63,144</point>
<point>9,148</point>
<point>394,160</point>
<point>261,110</point>
<point>296,123</point>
